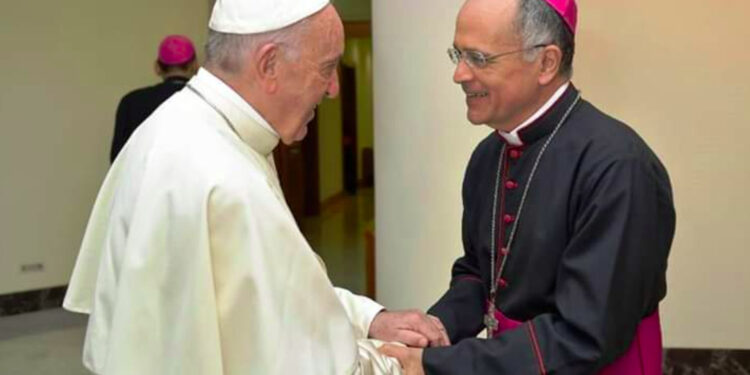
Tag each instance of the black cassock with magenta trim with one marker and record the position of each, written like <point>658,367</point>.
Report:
<point>582,280</point>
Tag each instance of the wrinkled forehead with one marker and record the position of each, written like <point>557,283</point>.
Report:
<point>326,35</point>
<point>486,24</point>
<point>336,34</point>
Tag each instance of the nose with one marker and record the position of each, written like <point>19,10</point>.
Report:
<point>332,90</point>
<point>462,73</point>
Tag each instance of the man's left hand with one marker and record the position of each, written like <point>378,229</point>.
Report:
<point>411,327</point>
<point>410,358</point>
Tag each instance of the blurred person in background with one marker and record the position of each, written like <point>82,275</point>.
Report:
<point>175,64</point>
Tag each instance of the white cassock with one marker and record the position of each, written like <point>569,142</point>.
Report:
<point>193,264</point>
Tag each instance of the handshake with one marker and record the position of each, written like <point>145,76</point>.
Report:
<point>413,328</point>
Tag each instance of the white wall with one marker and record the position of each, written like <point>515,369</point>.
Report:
<point>64,67</point>
<point>330,154</point>
<point>423,142</point>
<point>674,70</point>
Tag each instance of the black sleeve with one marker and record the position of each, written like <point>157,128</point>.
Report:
<point>122,132</point>
<point>611,276</point>
<point>461,308</point>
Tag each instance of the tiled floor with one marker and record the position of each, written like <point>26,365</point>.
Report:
<point>338,237</point>
<point>49,342</point>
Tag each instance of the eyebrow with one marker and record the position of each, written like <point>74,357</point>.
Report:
<point>332,61</point>
<point>468,49</point>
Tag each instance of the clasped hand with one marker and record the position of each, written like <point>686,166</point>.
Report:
<point>413,328</point>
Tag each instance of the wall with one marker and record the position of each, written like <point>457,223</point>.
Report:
<point>329,148</point>
<point>360,56</point>
<point>674,70</point>
<point>423,142</point>
<point>64,68</point>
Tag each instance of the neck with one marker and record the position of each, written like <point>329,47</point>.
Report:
<point>543,94</point>
<point>176,74</point>
<point>247,91</point>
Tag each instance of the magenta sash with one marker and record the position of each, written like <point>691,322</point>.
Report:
<point>644,357</point>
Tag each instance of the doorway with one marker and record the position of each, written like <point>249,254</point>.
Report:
<point>297,166</point>
<point>348,86</point>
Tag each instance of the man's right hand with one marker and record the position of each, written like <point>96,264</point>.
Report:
<point>410,327</point>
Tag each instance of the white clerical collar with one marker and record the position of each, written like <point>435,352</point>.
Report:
<point>232,95</point>
<point>512,137</point>
<point>250,126</point>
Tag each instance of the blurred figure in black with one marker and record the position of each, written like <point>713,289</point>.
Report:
<point>176,63</point>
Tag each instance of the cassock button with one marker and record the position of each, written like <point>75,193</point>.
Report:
<point>510,185</point>
<point>507,218</point>
<point>502,283</point>
<point>504,251</point>
<point>514,153</point>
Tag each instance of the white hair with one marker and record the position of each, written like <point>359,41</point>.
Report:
<point>226,51</point>
<point>537,23</point>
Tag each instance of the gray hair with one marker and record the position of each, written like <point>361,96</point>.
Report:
<point>537,23</point>
<point>226,51</point>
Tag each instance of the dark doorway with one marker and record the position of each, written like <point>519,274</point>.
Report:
<point>311,172</point>
<point>297,165</point>
<point>349,128</point>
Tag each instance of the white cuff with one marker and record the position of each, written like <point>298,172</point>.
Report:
<point>361,310</point>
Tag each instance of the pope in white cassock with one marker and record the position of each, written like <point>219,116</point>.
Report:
<point>192,262</point>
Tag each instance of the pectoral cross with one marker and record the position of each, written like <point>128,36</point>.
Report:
<point>490,321</point>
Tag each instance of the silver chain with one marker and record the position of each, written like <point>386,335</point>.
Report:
<point>496,279</point>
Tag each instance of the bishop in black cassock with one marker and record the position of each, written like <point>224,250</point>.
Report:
<point>588,261</point>
<point>568,215</point>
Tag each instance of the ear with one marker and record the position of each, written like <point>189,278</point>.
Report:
<point>267,67</point>
<point>193,68</point>
<point>157,69</point>
<point>550,64</point>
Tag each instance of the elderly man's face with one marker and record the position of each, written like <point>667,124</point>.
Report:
<point>313,75</point>
<point>503,93</point>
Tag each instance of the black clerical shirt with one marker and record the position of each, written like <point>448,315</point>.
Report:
<point>137,105</point>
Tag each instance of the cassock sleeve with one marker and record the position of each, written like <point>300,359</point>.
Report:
<point>610,277</point>
<point>361,311</point>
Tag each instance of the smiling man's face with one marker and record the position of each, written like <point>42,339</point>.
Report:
<point>501,94</point>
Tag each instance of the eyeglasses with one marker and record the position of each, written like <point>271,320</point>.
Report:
<point>479,60</point>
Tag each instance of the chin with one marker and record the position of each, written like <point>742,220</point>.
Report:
<point>301,133</point>
<point>475,120</point>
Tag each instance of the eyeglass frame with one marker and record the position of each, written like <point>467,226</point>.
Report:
<point>456,55</point>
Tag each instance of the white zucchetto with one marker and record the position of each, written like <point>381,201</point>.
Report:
<point>258,16</point>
